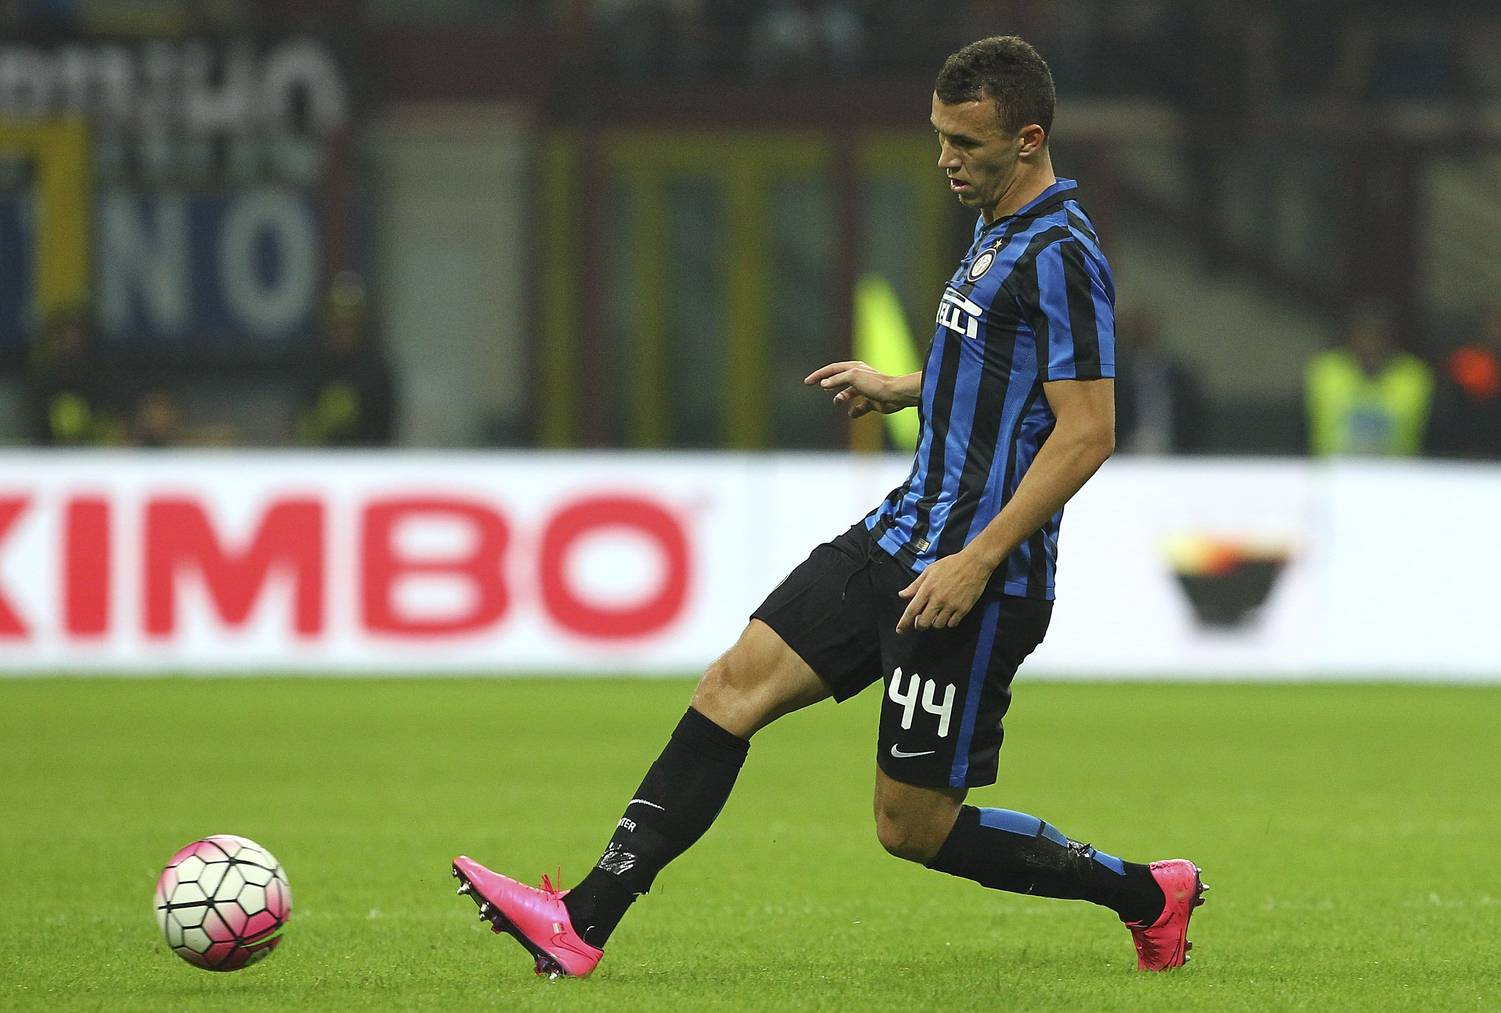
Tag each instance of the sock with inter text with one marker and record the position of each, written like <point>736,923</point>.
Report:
<point>1006,850</point>
<point>679,798</point>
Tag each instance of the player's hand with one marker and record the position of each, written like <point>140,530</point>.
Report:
<point>859,388</point>
<point>943,594</point>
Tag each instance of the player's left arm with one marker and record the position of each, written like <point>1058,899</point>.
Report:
<point>1081,441</point>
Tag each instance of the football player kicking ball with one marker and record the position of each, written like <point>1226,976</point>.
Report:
<point>944,588</point>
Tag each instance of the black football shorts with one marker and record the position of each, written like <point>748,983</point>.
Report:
<point>945,691</point>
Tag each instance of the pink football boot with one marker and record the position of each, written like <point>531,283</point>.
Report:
<point>537,918</point>
<point>1164,943</point>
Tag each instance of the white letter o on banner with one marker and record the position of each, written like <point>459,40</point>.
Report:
<point>268,306</point>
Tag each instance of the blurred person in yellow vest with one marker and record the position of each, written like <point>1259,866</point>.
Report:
<point>1467,406</point>
<point>71,398</point>
<point>348,400</point>
<point>1367,396</point>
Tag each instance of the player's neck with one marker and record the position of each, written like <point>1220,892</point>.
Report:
<point>1032,178</point>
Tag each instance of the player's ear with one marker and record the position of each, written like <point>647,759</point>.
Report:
<point>1033,137</point>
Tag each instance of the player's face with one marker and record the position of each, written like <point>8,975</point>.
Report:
<point>979,158</point>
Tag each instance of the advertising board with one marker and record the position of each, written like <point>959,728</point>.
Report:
<point>584,563</point>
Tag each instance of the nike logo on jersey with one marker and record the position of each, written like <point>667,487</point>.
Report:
<point>902,754</point>
<point>959,314</point>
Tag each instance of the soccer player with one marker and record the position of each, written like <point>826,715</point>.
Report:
<point>944,587</point>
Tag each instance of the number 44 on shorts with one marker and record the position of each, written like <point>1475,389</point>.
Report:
<point>908,699</point>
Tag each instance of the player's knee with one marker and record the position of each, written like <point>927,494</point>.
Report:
<point>732,693</point>
<point>755,682</point>
<point>717,696</point>
<point>908,836</point>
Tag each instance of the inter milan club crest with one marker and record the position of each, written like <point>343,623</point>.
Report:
<point>981,265</point>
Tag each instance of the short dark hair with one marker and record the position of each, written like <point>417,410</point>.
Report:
<point>1007,70</point>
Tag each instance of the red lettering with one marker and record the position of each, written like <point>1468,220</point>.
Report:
<point>179,536</point>
<point>11,508</point>
<point>86,554</point>
<point>384,567</point>
<point>588,516</point>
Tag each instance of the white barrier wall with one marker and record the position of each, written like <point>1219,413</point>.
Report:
<point>512,562</point>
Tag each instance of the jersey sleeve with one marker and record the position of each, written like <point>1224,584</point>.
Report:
<point>1071,310</point>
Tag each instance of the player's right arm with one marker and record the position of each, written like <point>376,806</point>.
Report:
<point>864,390</point>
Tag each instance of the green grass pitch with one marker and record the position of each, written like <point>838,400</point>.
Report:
<point>1349,834</point>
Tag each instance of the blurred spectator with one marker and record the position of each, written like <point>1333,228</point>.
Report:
<point>1367,396</point>
<point>69,395</point>
<point>1417,57</point>
<point>1480,53</point>
<point>646,38</point>
<point>1156,35</point>
<point>798,36</point>
<point>1310,39</point>
<point>1406,55</point>
<point>37,20</point>
<point>1467,404</point>
<point>348,401</point>
<point>157,420</point>
<point>1158,406</point>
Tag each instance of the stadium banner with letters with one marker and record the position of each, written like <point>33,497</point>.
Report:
<point>188,191</point>
<point>511,563</point>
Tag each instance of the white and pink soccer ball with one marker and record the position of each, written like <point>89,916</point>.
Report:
<point>221,902</point>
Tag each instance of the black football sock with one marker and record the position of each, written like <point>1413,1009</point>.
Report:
<point>681,795</point>
<point>1007,850</point>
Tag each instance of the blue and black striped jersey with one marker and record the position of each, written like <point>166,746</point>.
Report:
<point>1033,301</point>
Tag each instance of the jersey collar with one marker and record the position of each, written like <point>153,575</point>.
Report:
<point>1060,191</point>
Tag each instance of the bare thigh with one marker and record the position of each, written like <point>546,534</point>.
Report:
<point>755,682</point>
